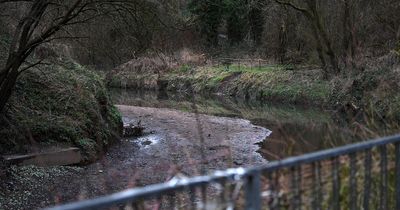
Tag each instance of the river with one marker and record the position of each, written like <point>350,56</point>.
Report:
<point>185,136</point>
<point>295,130</point>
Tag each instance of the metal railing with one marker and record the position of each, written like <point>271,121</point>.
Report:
<point>364,175</point>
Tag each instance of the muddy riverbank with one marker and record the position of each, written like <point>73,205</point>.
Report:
<point>175,143</point>
<point>296,130</point>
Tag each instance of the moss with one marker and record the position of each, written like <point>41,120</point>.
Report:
<point>89,147</point>
<point>63,103</point>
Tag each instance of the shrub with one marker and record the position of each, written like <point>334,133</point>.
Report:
<point>62,103</point>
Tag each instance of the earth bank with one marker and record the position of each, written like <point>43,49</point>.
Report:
<point>60,105</point>
<point>370,92</point>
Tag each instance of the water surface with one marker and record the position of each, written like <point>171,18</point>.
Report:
<point>295,130</point>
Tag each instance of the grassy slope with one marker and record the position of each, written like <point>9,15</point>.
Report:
<point>372,91</point>
<point>270,83</point>
<point>61,104</point>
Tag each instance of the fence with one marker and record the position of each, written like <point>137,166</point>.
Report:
<point>365,176</point>
<point>241,63</point>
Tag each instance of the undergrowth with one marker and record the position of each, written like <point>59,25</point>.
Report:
<point>60,104</point>
<point>370,90</point>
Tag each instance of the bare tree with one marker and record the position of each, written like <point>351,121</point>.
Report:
<point>324,46</point>
<point>41,23</point>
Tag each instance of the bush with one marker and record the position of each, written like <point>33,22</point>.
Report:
<point>60,104</point>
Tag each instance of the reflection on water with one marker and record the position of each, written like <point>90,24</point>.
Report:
<point>295,130</point>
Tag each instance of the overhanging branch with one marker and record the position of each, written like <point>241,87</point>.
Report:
<point>290,4</point>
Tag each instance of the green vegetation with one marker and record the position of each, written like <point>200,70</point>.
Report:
<point>61,104</point>
<point>272,83</point>
<point>184,68</point>
<point>371,94</point>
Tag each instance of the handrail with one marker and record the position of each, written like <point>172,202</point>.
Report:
<point>238,174</point>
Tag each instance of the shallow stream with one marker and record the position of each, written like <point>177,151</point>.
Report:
<point>295,130</point>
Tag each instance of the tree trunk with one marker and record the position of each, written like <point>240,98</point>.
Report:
<point>282,43</point>
<point>346,29</point>
<point>349,45</point>
<point>320,51</point>
<point>398,40</point>
<point>7,85</point>
<point>316,19</point>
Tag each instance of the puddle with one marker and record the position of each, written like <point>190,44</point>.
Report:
<point>147,141</point>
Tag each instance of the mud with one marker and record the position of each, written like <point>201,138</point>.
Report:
<point>175,143</point>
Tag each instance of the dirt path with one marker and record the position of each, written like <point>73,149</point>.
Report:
<point>171,146</point>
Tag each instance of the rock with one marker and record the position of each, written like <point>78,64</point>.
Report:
<point>147,142</point>
<point>133,130</point>
<point>238,162</point>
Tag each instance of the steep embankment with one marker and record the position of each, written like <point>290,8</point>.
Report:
<point>59,105</point>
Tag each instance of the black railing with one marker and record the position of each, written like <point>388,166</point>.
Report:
<point>365,176</point>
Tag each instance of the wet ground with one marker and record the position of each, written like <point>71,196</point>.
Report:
<point>296,130</point>
<point>184,136</point>
<point>175,143</point>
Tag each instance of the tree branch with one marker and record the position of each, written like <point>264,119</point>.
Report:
<point>31,65</point>
<point>290,4</point>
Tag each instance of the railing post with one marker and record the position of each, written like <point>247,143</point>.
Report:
<point>253,191</point>
<point>316,186</point>
<point>397,196</point>
<point>353,181</point>
<point>384,179</point>
<point>367,179</point>
<point>335,184</point>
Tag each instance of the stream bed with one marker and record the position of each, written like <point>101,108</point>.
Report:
<point>185,136</point>
<point>295,130</point>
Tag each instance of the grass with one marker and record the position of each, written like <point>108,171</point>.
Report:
<point>278,83</point>
<point>60,104</point>
<point>265,84</point>
<point>255,69</point>
<point>369,92</point>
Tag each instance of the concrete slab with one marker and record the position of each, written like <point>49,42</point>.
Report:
<point>60,157</point>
